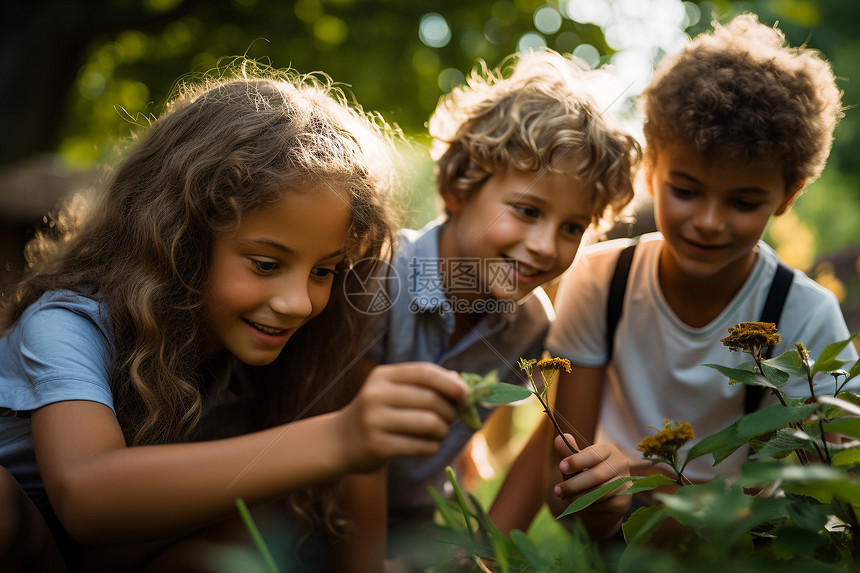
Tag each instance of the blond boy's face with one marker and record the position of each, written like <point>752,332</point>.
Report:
<point>712,213</point>
<point>524,226</point>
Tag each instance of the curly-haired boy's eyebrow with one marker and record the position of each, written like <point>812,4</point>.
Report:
<point>690,178</point>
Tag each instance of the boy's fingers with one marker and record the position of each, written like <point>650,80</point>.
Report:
<point>561,448</point>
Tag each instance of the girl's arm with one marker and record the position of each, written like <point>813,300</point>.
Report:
<point>104,491</point>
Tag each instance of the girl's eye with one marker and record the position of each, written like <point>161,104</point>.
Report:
<point>526,211</point>
<point>323,273</point>
<point>264,267</point>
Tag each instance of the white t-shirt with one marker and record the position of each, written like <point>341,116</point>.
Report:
<point>657,368</point>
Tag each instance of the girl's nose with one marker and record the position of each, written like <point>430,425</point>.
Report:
<point>292,299</point>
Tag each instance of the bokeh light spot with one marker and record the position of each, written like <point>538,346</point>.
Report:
<point>433,30</point>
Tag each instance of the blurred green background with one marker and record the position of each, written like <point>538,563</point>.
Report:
<point>79,75</point>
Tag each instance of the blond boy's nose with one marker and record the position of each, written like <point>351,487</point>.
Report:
<point>542,241</point>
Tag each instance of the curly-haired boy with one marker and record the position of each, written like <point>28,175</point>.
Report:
<point>736,124</point>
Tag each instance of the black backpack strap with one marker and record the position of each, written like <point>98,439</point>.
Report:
<point>617,287</point>
<point>770,313</point>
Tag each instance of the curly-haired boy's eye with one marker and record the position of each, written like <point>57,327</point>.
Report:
<point>742,205</point>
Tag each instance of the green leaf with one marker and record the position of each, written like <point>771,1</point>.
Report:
<point>643,523</point>
<point>783,444</point>
<point>847,408</point>
<point>504,393</point>
<point>789,362</point>
<point>723,453</point>
<point>529,550</point>
<point>775,375</point>
<point>772,418</point>
<point>469,414</point>
<point>827,360</point>
<point>738,376</point>
<point>587,499</point>
<point>640,483</point>
<point>646,483</point>
<point>445,510</point>
<point>847,458</point>
<point>256,536</point>
<point>765,420</point>
<point>846,426</point>
<point>813,480</point>
<point>458,495</point>
<point>854,370</point>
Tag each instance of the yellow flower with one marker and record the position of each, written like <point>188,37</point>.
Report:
<point>752,336</point>
<point>554,364</point>
<point>550,368</point>
<point>665,443</point>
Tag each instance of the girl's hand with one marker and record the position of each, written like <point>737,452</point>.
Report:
<point>402,410</point>
<point>591,468</point>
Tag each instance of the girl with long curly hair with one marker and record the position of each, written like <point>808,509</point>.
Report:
<point>159,357</point>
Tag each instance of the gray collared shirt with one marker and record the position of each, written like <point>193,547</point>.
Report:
<point>418,327</point>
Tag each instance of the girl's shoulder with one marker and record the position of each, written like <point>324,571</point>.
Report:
<point>64,313</point>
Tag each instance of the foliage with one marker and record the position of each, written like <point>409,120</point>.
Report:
<point>794,506</point>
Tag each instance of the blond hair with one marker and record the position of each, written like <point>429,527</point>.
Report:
<point>527,113</point>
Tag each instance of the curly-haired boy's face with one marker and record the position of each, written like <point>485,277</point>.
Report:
<point>274,273</point>
<point>524,226</point>
<point>712,212</point>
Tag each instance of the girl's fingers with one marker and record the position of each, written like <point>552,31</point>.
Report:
<point>425,374</point>
<point>402,396</point>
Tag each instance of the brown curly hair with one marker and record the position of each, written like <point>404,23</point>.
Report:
<point>225,146</point>
<point>741,93</point>
<point>527,113</point>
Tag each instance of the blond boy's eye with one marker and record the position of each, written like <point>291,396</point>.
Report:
<point>573,228</point>
<point>527,211</point>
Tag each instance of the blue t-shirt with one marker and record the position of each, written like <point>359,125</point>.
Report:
<point>417,326</point>
<point>58,350</point>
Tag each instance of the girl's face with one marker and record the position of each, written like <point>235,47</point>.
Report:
<point>274,272</point>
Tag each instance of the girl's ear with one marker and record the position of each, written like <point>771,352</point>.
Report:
<point>790,196</point>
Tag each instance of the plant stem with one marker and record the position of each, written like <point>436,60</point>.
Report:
<point>547,411</point>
